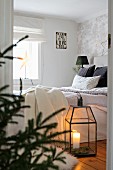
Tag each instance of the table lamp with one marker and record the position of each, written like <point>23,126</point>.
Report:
<point>81,60</point>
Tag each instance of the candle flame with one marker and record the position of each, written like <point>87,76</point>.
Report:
<point>76,134</point>
<point>74,131</point>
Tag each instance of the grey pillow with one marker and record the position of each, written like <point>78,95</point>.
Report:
<point>86,71</point>
<point>101,71</point>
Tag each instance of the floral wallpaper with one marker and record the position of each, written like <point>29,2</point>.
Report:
<point>92,37</point>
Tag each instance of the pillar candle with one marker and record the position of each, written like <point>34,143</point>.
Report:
<point>76,139</point>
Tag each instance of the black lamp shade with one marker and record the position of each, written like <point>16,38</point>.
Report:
<point>82,60</point>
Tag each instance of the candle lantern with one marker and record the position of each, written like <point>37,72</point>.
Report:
<point>81,138</point>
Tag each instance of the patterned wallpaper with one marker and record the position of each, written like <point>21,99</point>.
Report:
<point>92,37</point>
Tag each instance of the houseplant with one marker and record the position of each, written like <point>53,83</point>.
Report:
<point>25,149</point>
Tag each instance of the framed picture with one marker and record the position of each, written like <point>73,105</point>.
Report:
<point>61,40</point>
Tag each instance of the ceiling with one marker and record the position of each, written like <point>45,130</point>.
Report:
<point>77,10</point>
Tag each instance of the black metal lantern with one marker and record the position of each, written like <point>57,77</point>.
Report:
<point>81,140</point>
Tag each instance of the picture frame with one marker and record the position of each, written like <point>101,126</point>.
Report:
<point>61,40</point>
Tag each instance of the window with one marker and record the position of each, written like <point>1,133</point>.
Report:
<point>29,67</point>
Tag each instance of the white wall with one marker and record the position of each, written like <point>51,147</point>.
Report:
<point>58,63</point>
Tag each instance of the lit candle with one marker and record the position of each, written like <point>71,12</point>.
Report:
<point>76,139</point>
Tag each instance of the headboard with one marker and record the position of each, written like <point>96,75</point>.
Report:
<point>101,61</point>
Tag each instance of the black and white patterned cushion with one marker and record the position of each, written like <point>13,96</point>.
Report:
<point>101,71</point>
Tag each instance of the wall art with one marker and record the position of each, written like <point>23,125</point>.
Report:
<point>61,40</point>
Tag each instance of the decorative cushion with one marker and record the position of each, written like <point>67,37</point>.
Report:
<point>86,71</point>
<point>85,83</point>
<point>101,71</point>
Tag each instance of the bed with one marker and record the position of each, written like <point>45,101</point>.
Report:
<point>47,99</point>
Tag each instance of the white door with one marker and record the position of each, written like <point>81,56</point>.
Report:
<point>110,93</point>
<point>6,36</point>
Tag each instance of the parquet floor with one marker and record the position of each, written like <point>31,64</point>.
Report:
<point>92,163</point>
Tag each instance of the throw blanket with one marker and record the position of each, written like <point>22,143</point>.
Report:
<point>46,101</point>
<point>94,91</point>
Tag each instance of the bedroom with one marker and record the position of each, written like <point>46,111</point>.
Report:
<point>60,58</point>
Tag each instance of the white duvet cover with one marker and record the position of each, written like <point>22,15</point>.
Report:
<point>48,100</point>
<point>95,96</point>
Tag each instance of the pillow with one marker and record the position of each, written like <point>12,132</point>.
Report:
<point>86,71</point>
<point>85,83</point>
<point>101,71</point>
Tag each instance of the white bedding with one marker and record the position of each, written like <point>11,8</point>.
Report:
<point>100,114</point>
<point>96,91</point>
<point>49,100</point>
<point>95,96</point>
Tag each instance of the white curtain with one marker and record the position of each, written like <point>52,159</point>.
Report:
<point>34,27</point>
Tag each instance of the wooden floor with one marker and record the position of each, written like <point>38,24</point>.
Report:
<point>98,162</point>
